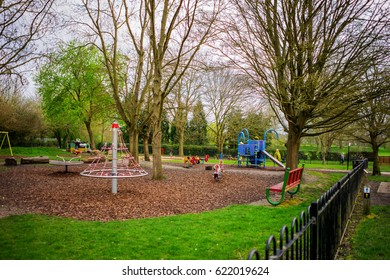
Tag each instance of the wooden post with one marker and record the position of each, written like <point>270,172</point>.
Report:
<point>366,200</point>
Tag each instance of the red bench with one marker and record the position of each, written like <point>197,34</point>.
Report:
<point>291,184</point>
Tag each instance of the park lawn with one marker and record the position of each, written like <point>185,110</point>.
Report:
<point>354,148</point>
<point>227,233</point>
<point>335,165</point>
<point>51,152</point>
<point>371,240</point>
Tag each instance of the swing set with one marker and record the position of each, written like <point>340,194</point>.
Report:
<point>4,135</point>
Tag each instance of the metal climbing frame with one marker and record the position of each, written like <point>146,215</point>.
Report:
<point>111,165</point>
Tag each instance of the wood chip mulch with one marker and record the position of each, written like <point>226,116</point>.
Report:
<point>48,190</point>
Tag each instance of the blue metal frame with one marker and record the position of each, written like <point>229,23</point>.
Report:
<point>269,130</point>
<point>251,150</point>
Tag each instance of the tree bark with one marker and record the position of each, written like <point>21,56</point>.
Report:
<point>156,119</point>
<point>181,141</point>
<point>156,149</point>
<point>57,135</point>
<point>133,136</point>
<point>90,135</point>
<point>293,144</point>
<point>146,148</point>
<point>220,147</point>
<point>376,170</point>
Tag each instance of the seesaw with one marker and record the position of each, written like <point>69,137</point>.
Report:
<point>63,162</point>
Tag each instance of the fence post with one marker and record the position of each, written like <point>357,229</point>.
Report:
<point>314,231</point>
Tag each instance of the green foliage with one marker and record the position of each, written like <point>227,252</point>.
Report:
<point>234,125</point>
<point>254,121</point>
<point>72,89</point>
<point>196,130</point>
<point>188,149</point>
<point>195,150</point>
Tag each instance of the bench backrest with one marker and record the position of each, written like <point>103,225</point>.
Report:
<point>293,177</point>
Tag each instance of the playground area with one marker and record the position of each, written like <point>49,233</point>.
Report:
<point>49,190</point>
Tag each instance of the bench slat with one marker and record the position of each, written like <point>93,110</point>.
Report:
<point>293,185</point>
<point>277,187</point>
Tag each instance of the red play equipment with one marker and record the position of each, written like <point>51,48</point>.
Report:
<point>192,160</point>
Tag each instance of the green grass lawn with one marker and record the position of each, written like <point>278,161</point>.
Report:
<point>51,152</point>
<point>229,233</point>
<point>371,240</point>
<point>335,165</point>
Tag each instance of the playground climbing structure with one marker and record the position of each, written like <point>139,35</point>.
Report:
<point>115,161</point>
<point>253,152</point>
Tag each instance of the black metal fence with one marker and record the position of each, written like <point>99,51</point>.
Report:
<point>317,233</point>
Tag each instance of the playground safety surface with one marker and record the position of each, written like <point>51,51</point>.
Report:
<point>48,190</point>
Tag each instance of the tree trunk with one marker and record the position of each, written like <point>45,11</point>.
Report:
<point>156,120</point>
<point>324,147</point>
<point>181,141</point>
<point>220,148</point>
<point>133,136</point>
<point>57,135</point>
<point>59,142</point>
<point>103,129</point>
<point>293,144</point>
<point>146,148</point>
<point>65,141</point>
<point>220,140</point>
<point>90,135</point>
<point>156,149</point>
<point>376,170</point>
<point>323,158</point>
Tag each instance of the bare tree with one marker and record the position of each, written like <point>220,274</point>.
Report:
<point>20,115</point>
<point>223,90</point>
<point>119,28</point>
<point>22,24</point>
<point>183,97</point>
<point>325,143</point>
<point>374,126</point>
<point>177,31</point>
<point>307,57</point>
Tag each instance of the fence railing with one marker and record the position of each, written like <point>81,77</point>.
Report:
<point>317,233</point>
